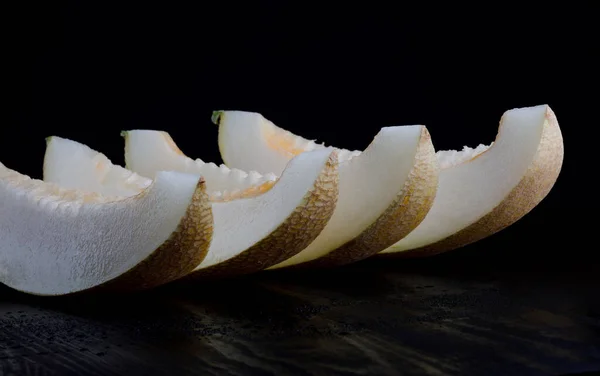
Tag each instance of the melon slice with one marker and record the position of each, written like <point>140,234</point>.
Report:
<point>58,241</point>
<point>480,192</point>
<point>258,220</point>
<point>385,191</point>
<point>485,189</point>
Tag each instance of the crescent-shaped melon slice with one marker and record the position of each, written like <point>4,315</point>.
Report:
<point>480,191</point>
<point>58,241</point>
<point>385,191</point>
<point>484,190</point>
<point>258,220</point>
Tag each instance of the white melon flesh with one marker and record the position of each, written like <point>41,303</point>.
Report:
<point>385,191</point>
<point>58,241</point>
<point>71,164</point>
<point>480,191</point>
<point>483,190</point>
<point>250,142</point>
<point>258,221</point>
<point>148,151</point>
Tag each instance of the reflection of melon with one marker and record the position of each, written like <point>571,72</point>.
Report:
<point>58,241</point>
<point>484,190</point>
<point>385,191</point>
<point>258,220</point>
<point>480,191</point>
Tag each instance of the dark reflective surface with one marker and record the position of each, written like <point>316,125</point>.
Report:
<point>374,318</point>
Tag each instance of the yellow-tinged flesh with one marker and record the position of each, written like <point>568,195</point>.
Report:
<point>52,192</point>
<point>249,192</point>
<point>223,196</point>
<point>172,144</point>
<point>281,142</point>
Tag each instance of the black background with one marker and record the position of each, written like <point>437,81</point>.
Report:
<point>523,301</point>
<point>87,70</point>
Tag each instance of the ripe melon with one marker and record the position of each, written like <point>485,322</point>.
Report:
<point>385,191</point>
<point>484,190</point>
<point>58,241</point>
<point>480,191</point>
<point>258,220</point>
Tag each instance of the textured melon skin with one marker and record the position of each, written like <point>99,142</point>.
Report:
<point>180,253</point>
<point>301,215</point>
<point>527,194</point>
<point>248,140</point>
<point>292,236</point>
<point>256,226</point>
<point>178,256</point>
<point>406,212</point>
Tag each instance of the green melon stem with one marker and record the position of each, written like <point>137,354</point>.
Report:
<point>216,116</point>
